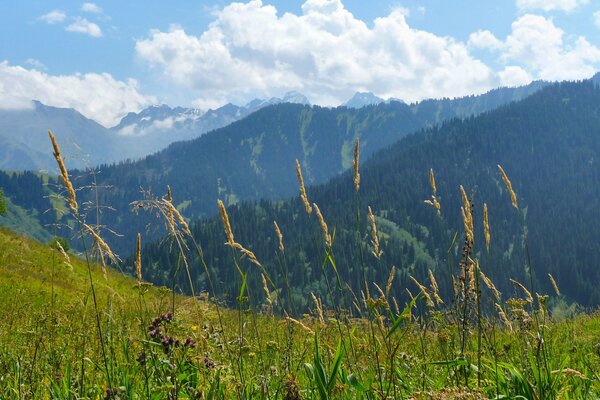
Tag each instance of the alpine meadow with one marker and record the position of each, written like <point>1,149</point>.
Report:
<point>396,200</point>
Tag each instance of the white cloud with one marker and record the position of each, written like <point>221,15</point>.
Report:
<point>538,47</point>
<point>550,5</point>
<point>53,17</point>
<point>484,40</point>
<point>91,8</point>
<point>82,25</point>
<point>326,53</point>
<point>97,96</point>
<point>513,75</point>
<point>35,63</point>
<point>596,17</point>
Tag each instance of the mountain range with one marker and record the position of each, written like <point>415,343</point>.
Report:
<point>253,158</point>
<point>85,143</point>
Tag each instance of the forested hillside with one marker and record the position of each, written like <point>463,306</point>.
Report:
<point>549,144</point>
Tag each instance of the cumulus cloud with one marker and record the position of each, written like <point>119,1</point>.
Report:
<point>550,5</point>
<point>97,96</point>
<point>538,47</point>
<point>53,17</point>
<point>596,18</point>
<point>82,25</point>
<point>484,40</point>
<point>91,8</point>
<point>325,52</point>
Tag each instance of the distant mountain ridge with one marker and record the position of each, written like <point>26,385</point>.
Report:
<point>23,133</point>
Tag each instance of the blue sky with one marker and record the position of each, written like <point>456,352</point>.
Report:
<point>106,58</point>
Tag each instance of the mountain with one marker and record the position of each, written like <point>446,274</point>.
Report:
<point>362,99</point>
<point>85,143</point>
<point>155,127</point>
<point>548,143</point>
<point>24,134</point>
<point>253,158</point>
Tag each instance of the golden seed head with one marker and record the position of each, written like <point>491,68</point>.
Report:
<point>554,285</point>
<point>300,324</point>
<point>266,290</point>
<point>390,280</point>
<point>377,252</point>
<point>488,282</point>
<point>101,244</point>
<point>318,307</point>
<point>356,173</point>
<point>251,257</point>
<point>170,214</point>
<point>323,224</point>
<point>64,176</point>
<point>63,253</point>
<point>527,293</point>
<point>226,225</point>
<point>432,181</point>
<point>303,195</point>
<point>503,316</point>
<point>423,290</point>
<point>513,195</point>
<point>279,236</point>
<point>486,227</point>
<point>435,288</point>
<point>138,258</point>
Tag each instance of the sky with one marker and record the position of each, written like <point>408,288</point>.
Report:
<point>107,58</point>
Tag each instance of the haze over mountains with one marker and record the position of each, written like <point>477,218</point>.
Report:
<point>86,143</point>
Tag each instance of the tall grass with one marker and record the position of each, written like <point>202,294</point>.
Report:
<point>361,343</point>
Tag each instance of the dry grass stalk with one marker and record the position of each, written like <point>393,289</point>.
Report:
<point>570,371</point>
<point>318,307</point>
<point>246,252</point>
<point>390,280</point>
<point>488,282</point>
<point>425,292</point>
<point>435,288</point>
<point>486,227</point>
<point>138,258</point>
<point>323,224</point>
<point>300,324</point>
<point>432,181</point>
<point>65,176</point>
<point>554,285</point>
<point>226,225</point>
<point>528,295</point>
<point>172,210</point>
<point>279,236</point>
<point>356,173</point>
<point>303,195</point>
<point>467,221</point>
<point>266,290</point>
<point>170,215</point>
<point>503,316</point>
<point>382,295</point>
<point>513,195</point>
<point>434,200</point>
<point>101,243</point>
<point>63,253</point>
<point>377,252</point>
<point>396,307</point>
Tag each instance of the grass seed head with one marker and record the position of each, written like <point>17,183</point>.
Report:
<point>72,199</point>
<point>323,224</point>
<point>513,195</point>
<point>279,236</point>
<point>226,225</point>
<point>486,227</point>
<point>356,173</point>
<point>303,195</point>
<point>138,258</point>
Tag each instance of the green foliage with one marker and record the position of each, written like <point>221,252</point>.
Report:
<point>2,204</point>
<point>524,137</point>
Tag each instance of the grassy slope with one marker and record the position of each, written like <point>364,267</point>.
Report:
<point>44,345</point>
